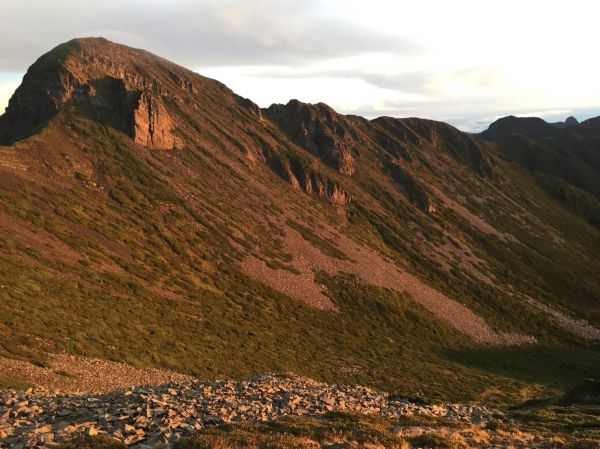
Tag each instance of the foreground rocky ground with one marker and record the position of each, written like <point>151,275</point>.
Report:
<point>151,416</point>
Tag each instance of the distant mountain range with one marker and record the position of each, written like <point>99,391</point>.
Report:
<point>150,215</point>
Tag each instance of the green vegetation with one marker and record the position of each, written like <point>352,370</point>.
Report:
<point>133,255</point>
<point>7,383</point>
<point>435,441</point>
<point>298,433</point>
<point>562,366</point>
<point>239,337</point>
<point>576,422</point>
<point>585,393</point>
<point>364,431</point>
<point>576,413</point>
<point>583,444</point>
<point>326,246</point>
<point>96,442</point>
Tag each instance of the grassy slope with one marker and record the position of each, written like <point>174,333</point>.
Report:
<point>351,430</point>
<point>178,300</point>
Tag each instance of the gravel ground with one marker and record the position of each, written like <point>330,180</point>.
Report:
<point>77,374</point>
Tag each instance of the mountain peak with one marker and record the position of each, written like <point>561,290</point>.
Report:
<point>121,86</point>
<point>570,121</point>
<point>319,129</point>
<point>532,127</point>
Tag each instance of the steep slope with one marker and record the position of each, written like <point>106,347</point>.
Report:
<point>565,162</point>
<point>150,215</point>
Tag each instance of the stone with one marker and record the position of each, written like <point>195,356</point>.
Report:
<point>437,409</point>
<point>156,415</point>
<point>43,429</point>
<point>329,401</point>
<point>131,439</point>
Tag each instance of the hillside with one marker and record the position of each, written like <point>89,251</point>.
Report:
<point>563,162</point>
<point>151,216</point>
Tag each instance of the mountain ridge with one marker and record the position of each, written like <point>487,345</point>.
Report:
<point>130,184</point>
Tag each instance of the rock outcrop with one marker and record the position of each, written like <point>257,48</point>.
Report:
<point>415,190</point>
<point>100,80</point>
<point>320,130</point>
<point>152,125</point>
<point>315,184</point>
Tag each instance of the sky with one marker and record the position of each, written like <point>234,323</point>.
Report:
<point>466,62</point>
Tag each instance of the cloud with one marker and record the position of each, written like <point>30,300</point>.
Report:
<point>371,58</point>
<point>412,82</point>
<point>195,34</point>
<point>9,81</point>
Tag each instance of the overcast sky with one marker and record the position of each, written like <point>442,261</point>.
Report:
<point>466,62</point>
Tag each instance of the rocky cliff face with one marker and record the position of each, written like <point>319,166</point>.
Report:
<point>320,130</point>
<point>316,184</point>
<point>152,125</point>
<point>307,177</point>
<point>400,147</point>
<point>100,80</point>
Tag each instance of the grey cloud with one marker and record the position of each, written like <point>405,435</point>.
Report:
<point>410,82</point>
<point>192,33</point>
<point>413,82</point>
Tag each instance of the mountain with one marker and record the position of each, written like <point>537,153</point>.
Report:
<point>532,127</point>
<point>591,123</point>
<point>563,162</point>
<point>150,215</point>
<point>570,121</point>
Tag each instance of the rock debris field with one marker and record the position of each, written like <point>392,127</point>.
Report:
<point>150,415</point>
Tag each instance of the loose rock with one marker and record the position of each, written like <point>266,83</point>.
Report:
<point>41,418</point>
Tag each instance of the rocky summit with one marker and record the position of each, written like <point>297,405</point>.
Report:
<point>156,226</point>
